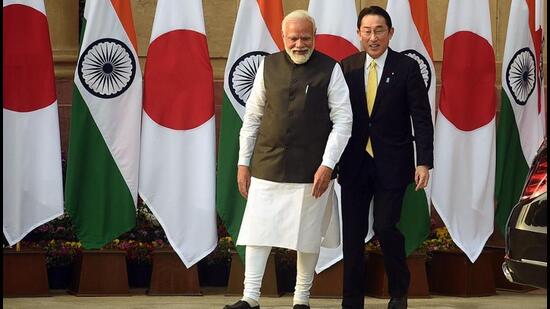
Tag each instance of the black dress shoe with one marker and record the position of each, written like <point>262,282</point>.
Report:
<point>398,303</point>
<point>300,307</point>
<point>241,304</point>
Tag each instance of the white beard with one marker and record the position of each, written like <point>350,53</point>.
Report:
<point>299,59</point>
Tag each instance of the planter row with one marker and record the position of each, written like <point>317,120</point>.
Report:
<point>105,272</point>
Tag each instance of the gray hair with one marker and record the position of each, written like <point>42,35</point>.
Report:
<point>299,15</point>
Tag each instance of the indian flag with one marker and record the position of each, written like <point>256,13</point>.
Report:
<point>31,177</point>
<point>102,172</point>
<point>178,135</point>
<point>257,33</point>
<point>521,119</point>
<point>337,37</point>
<point>412,38</point>
<point>464,145</point>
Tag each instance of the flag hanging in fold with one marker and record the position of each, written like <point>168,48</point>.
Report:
<point>412,38</point>
<point>32,180</point>
<point>177,163</point>
<point>464,146</point>
<point>337,37</point>
<point>257,33</point>
<point>520,131</point>
<point>102,167</point>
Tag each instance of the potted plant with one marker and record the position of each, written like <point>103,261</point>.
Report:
<point>214,268</point>
<point>138,260</point>
<point>60,257</point>
<point>466,278</point>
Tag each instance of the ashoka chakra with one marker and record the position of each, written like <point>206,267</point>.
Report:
<point>107,68</point>
<point>242,74</point>
<point>520,75</point>
<point>423,64</point>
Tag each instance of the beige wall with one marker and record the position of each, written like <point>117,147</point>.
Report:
<point>220,18</point>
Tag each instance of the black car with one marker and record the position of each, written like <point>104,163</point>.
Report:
<point>526,257</point>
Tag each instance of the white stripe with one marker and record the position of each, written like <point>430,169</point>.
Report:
<point>473,21</point>
<point>35,4</point>
<point>32,181</point>
<point>337,18</point>
<point>406,36</point>
<point>178,184</point>
<point>463,183</point>
<point>177,14</point>
<point>247,38</point>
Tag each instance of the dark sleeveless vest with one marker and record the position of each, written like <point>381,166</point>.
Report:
<point>295,125</point>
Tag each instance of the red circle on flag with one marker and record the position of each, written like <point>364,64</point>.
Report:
<point>468,97</point>
<point>334,46</point>
<point>29,82</point>
<point>178,90</point>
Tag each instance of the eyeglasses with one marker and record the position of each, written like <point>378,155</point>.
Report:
<point>377,32</point>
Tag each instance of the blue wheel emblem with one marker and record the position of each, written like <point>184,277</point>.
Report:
<point>423,64</point>
<point>242,74</point>
<point>520,75</point>
<point>106,68</point>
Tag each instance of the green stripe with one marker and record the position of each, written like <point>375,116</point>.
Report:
<point>512,167</point>
<point>229,202</point>
<point>415,218</point>
<point>96,195</point>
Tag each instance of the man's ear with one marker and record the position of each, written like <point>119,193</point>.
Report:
<point>390,32</point>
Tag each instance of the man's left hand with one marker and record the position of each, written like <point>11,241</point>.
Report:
<point>421,177</point>
<point>321,181</point>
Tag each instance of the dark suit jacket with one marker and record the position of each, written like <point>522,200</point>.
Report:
<point>401,95</point>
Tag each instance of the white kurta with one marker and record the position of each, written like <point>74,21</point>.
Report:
<point>286,215</point>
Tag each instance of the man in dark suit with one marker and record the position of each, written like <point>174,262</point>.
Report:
<point>386,92</point>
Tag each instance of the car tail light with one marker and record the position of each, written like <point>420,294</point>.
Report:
<point>536,183</point>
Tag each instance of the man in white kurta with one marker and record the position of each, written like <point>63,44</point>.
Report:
<point>285,207</point>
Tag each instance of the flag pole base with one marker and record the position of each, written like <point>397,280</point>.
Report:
<point>329,283</point>
<point>171,277</point>
<point>25,273</point>
<point>100,273</point>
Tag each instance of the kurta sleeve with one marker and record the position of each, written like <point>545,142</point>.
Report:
<point>341,117</point>
<point>252,118</point>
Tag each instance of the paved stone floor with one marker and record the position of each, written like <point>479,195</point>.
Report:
<point>214,298</point>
